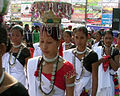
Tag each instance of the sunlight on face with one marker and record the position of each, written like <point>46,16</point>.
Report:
<point>48,45</point>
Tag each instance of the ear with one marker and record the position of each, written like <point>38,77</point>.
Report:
<point>2,48</point>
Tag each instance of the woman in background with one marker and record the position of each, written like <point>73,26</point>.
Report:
<point>109,63</point>
<point>67,44</point>
<point>15,60</point>
<point>85,64</point>
<point>9,86</point>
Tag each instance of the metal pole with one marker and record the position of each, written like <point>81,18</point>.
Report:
<point>86,13</point>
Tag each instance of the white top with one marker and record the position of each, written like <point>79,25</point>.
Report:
<point>17,71</point>
<point>85,81</point>
<point>34,82</point>
<point>37,50</point>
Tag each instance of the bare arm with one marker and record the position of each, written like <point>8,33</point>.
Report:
<point>70,86</point>
<point>114,63</point>
<point>94,78</point>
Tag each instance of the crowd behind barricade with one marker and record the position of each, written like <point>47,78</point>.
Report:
<point>95,59</point>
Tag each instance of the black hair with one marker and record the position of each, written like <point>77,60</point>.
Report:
<point>54,32</point>
<point>37,26</point>
<point>68,32</point>
<point>26,25</point>
<point>99,32</point>
<point>20,22</point>
<point>18,27</point>
<point>83,29</point>
<point>3,34</point>
<point>108,32</point>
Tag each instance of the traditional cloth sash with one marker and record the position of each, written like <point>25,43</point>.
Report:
<point>116,83</point>
<point>85,80</point>
<point>46,87</point>
<point>17,71</point>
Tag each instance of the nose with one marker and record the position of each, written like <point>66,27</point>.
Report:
<point>45,46</point>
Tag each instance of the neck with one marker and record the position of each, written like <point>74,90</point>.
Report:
<point>51,59</point>
<point>96,41</point>
<point>67,43</point>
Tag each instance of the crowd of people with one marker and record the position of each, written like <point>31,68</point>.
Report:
<point>47,61</point>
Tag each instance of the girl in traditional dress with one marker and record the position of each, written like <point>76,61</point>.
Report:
<point>109,63</point>
<point>50,75</point>
<point>9,86</point>
<point>15,60</point>
<point>118,47</point>
<point>85,64</point>
<point>98,41</point>
<point>67,44</point>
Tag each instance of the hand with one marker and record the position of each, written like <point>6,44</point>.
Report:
<point>107,51</point>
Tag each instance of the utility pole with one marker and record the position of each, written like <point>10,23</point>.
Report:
<point>86,13</point>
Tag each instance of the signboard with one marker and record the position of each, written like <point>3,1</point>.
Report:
<point>106,18</point>
<point>15,8</point>
<point>94,12</point>
<point>79,13</point>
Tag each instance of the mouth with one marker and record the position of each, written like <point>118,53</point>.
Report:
<point>45,52</point>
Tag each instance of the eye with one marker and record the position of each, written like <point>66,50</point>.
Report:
<point>41,41</point>
<point>49,42</point>
<point>76,37</point>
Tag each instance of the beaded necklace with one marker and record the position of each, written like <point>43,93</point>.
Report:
<point>78,52</point>
<point>50,60</point>
<point>17,46</point>
<point>14,62</point>
<point>82,59</point>
<point>39,70</point>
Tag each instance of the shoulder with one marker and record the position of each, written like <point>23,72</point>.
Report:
<point>5,54</point>
<point>92,56</point>
<point>34,59</point>
<point>115,52</point>
<point>69,51</point>
<point>63,43</point>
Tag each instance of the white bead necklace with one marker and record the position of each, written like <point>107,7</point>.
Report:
<point>78,52</point>
<point>67,43</point>
<point>52,91</point>
<point>14,62</point>
<point>17,46</point>
<point>50,60</point>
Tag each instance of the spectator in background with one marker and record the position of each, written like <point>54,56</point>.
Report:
<point>102,31</point>
<point>67,35</point>
<point>20,23</point>
<point>36,34</point>
<point>28,35</point>
<point>70,27</point>
<point>97,41</point>
<point>90,40</point>
<point>32,29</point>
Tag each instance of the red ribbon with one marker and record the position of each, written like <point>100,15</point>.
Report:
<point>106,64</point>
